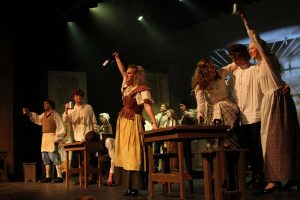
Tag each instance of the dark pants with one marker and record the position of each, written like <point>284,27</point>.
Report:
<point>249,136</point>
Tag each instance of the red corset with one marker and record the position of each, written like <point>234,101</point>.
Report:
<point>130,108</point>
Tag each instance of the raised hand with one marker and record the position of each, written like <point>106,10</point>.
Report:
<point>26,111</point>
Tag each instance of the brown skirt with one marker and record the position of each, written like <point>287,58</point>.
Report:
<point>130,179</point>
<point>282,157</point>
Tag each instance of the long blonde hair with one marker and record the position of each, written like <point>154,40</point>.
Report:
<point>139,76</point>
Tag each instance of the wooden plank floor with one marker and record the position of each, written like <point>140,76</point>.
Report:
<point>57,191</point>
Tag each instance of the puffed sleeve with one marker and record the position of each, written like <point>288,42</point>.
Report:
<point>144,97</point>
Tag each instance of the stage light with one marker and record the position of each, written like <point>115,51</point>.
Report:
<point>140,18</point>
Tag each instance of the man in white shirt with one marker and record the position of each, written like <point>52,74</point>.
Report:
<point>248,96</point>
<point>83,121</point>
<point>82,116</point>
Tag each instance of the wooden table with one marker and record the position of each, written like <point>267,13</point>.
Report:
<point>182,134</point>
<point>81,147</point>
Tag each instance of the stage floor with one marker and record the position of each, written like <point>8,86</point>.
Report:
<point>57,191</point>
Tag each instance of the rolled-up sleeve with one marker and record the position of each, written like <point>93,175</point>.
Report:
<point>35,118</point>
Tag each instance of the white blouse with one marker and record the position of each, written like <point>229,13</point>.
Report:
<point>218,90</point>
<point>269,68</point>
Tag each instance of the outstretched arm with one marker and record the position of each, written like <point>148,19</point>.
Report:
<point>149,111</point>
<point>263,49</point>
<point>245,20</point>
<point>120,64</point>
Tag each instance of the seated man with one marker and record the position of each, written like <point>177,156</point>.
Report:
<point>106,136</point>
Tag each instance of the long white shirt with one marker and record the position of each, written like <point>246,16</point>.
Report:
<point>246,93</point>
<point>83,120</point>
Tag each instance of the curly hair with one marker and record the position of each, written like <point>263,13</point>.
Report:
<point>51,103</point>
<point>201,75</point>
<point>139,76</point>
<point>105,116</point>
<point>77,92</point>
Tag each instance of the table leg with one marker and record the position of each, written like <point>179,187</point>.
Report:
<point>85,165</point>
<point>150,160</point>
<point>67,170</point>
<point>207,176</point>
<point>181,170</point>
<point>218,176</point>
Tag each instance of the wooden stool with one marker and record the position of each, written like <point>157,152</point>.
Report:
<point>215,168</point>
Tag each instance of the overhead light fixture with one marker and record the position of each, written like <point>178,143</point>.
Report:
<point>140,18</point>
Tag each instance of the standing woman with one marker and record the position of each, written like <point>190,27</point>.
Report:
<point>280,132</point>
<point>130,157</point>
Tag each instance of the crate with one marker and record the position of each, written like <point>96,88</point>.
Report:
<point>29,172</point>
<point>3,166</point>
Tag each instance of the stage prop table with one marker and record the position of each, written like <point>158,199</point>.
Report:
<point>81,147</point>
<point>183,134</point>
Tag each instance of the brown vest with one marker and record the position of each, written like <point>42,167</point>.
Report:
<point>48,123</point>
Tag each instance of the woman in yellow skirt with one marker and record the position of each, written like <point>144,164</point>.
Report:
<point>130,157</point>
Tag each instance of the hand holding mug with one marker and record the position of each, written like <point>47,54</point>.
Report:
<point>69,105</point>
<point>26,111</point>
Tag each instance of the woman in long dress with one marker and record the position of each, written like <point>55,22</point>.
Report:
<point>280,132</point>
<point>130,157</point>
